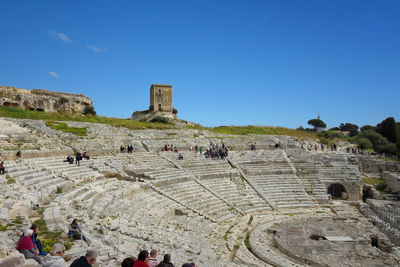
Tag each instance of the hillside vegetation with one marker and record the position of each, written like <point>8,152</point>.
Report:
<point>18,113</point>
<point>51,119</point>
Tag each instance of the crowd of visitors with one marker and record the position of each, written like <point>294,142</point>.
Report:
<point>78,158</point>
<point>31,247</point>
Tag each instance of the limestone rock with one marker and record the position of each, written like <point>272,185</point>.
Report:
<point>43,100</point>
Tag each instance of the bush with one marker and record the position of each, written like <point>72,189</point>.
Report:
<point>175,111</point>
<point>160,119</point>
<point>63,100</point>
<point>379,143</point>
<point>363,143</point>
<point>330,134</point>
<point>89,110</point>
<point>367,127</point>
<point>352,128</point>
<point>324,140</point>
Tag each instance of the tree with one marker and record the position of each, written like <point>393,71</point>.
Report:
<point>363,143</point>
<point>317,123</point>
<point>379,143</point>
<point>367,127</point>
<point>388,129</point>
<point>352,128</point>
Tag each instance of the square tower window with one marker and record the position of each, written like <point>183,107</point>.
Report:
<point>159,91</point>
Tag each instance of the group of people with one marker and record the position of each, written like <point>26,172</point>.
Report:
<point>128,149</point>
<point>31,247</point>
<point>146,259</point>
<point>170,148</point>
<point>78,158</point>
<point>216,151</point>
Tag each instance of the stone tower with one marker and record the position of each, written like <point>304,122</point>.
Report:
<point>161,98</point>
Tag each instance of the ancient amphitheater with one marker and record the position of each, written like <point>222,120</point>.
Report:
<point>263,207</point>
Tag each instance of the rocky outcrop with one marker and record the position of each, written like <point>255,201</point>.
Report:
<point>43,100</point>
<point>148,115</point>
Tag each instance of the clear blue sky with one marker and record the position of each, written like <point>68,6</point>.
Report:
<point>230,62</point>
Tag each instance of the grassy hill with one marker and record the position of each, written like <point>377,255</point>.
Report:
<point>50,118</point>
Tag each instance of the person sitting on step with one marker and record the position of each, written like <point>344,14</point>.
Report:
<point>167,260</point>
<point>56,257</point>
<point>153,258</point>
<point>26,247</point>
<point>87,260</point>
<point>36,241</point>
<point>128,262</point>
<point>142,260</point>
<point>75,232</point>
<point>2,170</point>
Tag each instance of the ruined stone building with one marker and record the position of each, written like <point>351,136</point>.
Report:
<point>161,98</point>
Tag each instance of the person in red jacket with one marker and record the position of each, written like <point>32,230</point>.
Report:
<point>143,259</point>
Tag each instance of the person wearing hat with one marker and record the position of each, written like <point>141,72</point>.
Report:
<point>26,247</point>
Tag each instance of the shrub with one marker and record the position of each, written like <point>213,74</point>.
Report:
<point>63,100</point>
<point>367,127</point>
<point>175,111</point>
<point>352,128</point>
<point>160,119</point>
<point>324,140</point>
<point>89,110</point>
<point>363,143</point>
<point>330,134</point>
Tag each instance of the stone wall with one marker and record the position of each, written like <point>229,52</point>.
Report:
<point>369,164</point>
<point>392,180</point>
<point>43,100</point>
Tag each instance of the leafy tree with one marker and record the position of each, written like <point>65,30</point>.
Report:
<point>175,111</point>
<point>352,128</point>
<point>317,123</point>
<point>363,143</point>
<point>379,143</point>
<point>367,127</point>
<point>388,129</point>
<point>334,129</point>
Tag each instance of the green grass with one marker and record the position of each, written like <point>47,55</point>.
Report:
<point>264,130</point>
<point>372,181</point>
<point>62,126</point>
<point>250,220</point>
<point>10,180</point>
<point>3,228</point>
<point>247,242</point>
<point>49,238</point>
<point>18,113</point>
<point>228,232</point>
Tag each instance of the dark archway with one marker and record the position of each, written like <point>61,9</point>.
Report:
<point>336,190</point>
<point>367,193</point>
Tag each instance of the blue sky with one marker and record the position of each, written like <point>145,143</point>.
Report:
<point>277,63</point>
